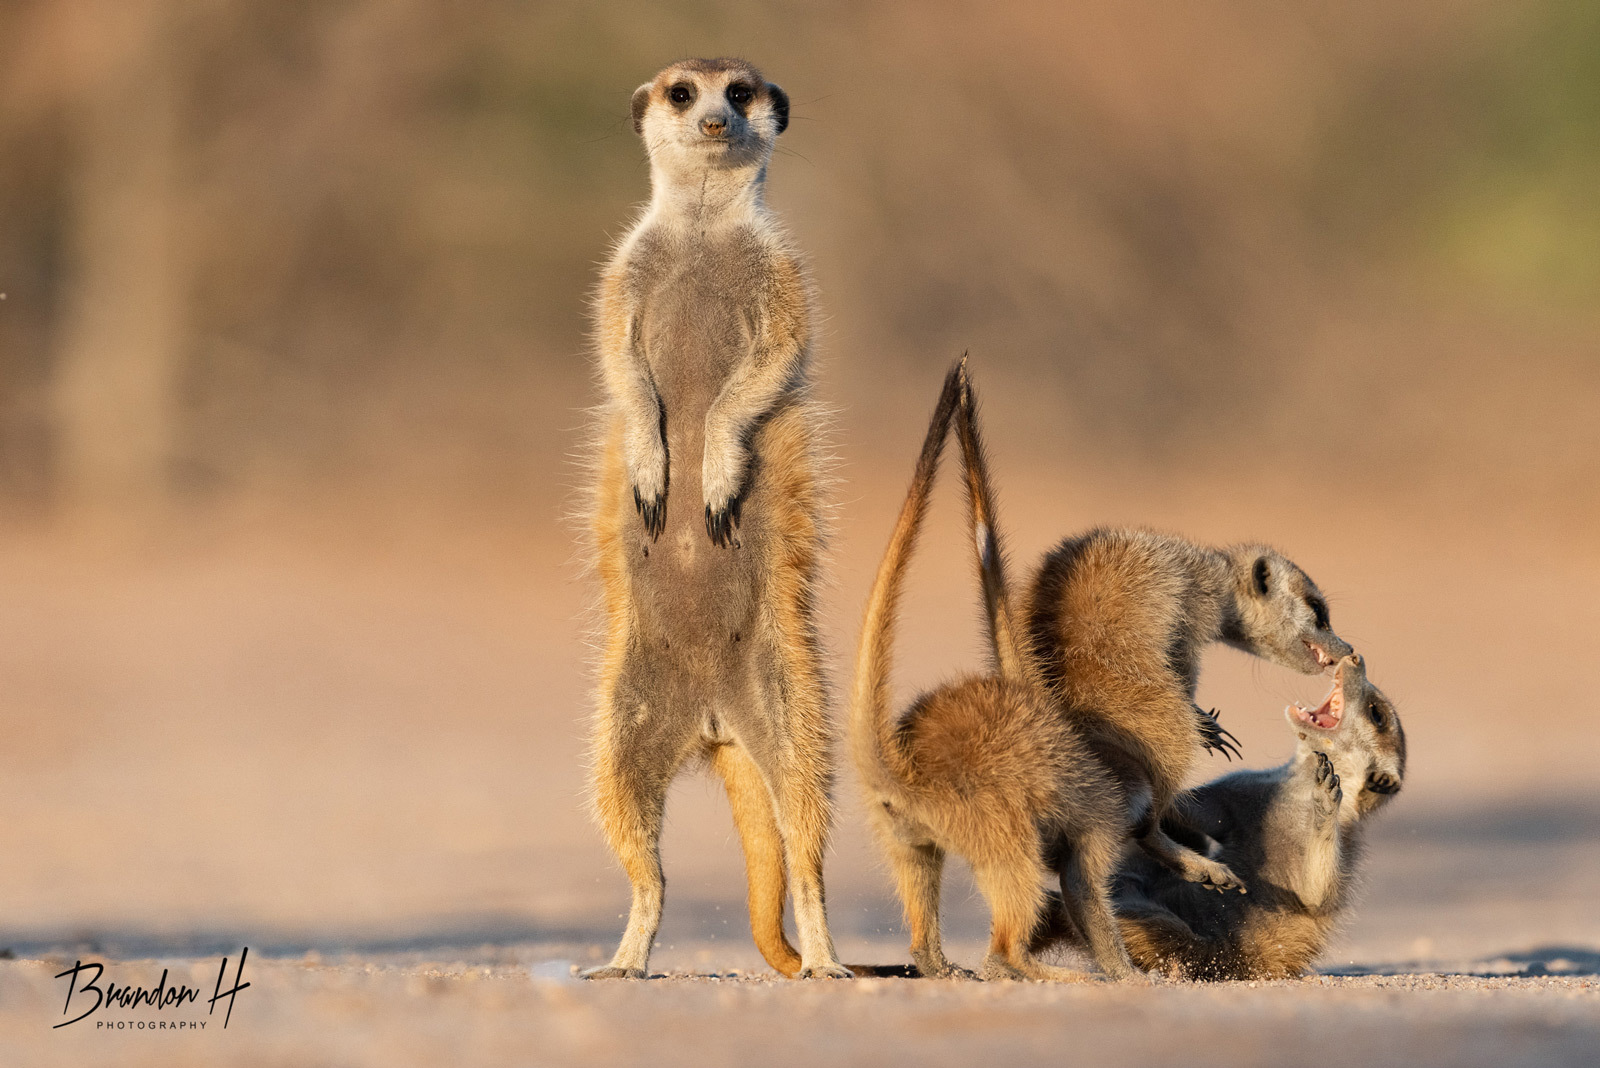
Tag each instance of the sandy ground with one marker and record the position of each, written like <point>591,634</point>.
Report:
<point>353,741</point>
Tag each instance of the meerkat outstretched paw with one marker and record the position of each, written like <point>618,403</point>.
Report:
<point>1328,780</point>
<point>1214,736</point>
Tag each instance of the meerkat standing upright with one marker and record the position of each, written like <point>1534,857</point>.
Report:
<point>708,515</point>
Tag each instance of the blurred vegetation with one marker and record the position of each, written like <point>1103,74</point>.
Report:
<point>1482,162</point>
<point>372,226</point>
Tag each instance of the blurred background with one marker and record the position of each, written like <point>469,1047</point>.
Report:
<point>294,368</point>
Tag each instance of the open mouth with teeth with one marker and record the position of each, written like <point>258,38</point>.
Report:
<point>1328,715</point>
<point>1321,654</point>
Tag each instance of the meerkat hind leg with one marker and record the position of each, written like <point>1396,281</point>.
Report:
<point>1186,862</point>
<point>1011,886</point>
<point>642,746</point>
<point>1086,869</point>
<point>632,821</point>
<point>918,872</point>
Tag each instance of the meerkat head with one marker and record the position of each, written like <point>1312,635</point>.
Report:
<point>1358,729</point>
<point>1278,612</point>
<point>709,113</point>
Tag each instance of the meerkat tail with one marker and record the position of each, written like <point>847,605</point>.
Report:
<point>870,730</point>
<point>1010,657</point>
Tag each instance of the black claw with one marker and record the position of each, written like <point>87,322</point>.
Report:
<point>1383,783</point>
<point>720,525</point>
<point>653,513</point>
<point>1215,737</point>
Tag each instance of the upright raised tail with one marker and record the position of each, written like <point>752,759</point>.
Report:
<point>870,727</point>
<point>1010,655</point>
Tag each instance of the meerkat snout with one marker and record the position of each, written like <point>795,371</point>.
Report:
<point>713,126</point>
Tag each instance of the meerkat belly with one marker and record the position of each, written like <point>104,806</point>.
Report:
<point>700,596</point>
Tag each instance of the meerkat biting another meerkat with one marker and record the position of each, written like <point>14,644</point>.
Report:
<point>985,767</point>
<point>1294,832</point>
<point>708,515</point>
<point>1117,620</point>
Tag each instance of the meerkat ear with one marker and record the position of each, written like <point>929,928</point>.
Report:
<point>1261,573</point>
<point>641,101</point>
<point>780,105</point>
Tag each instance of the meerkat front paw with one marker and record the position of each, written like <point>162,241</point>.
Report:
<point>1328,780</point>
<point>826,970</point>
<point>649,472</point>
<point>722,525</point>
<point>1381,782</point>
<point>721,476</point>
<point>1214,736</point>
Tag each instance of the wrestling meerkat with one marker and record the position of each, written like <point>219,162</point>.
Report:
<point>708,515</point>
<point>1294,832</point>
<point>984,767</point>
<point>1117,620</point>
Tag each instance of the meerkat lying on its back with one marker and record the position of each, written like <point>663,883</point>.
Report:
<point>708,515</point>
<point>1293,832</point>
<point>1117,620</point>
<point>985,767</point>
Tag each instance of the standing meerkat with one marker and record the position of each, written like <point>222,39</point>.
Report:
<point>1117,620</point>
<point>708,515</point>
<point>985,767</point>
<point>1295,832</point>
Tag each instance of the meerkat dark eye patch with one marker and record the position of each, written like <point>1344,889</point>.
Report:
<point>681,95</point>
<point>1319,609</point>
<point>740,95</point>
<point>1375,714</point>
<point>1262,574</point>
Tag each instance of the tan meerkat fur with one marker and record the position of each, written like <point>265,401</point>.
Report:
<point>1294,832</point>
<point>984,767</point>
<point>1117,620</point>
<point>708,516</point>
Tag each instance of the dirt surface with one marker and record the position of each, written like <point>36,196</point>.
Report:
<point>515,1005</point>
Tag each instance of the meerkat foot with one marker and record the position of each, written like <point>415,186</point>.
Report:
<point>827,970</point>
<point>1214,875</point>
<point>612,971</point>
<point>722,524</point>
<point>935,966</point>
<point>997,968</point>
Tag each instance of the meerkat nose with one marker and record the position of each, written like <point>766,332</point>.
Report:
<point>713,126</point>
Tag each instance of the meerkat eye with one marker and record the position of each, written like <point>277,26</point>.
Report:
<point>739,94</point>
<point>1319,609</point>
<point>1375,714</point>
<point>681,94</point>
